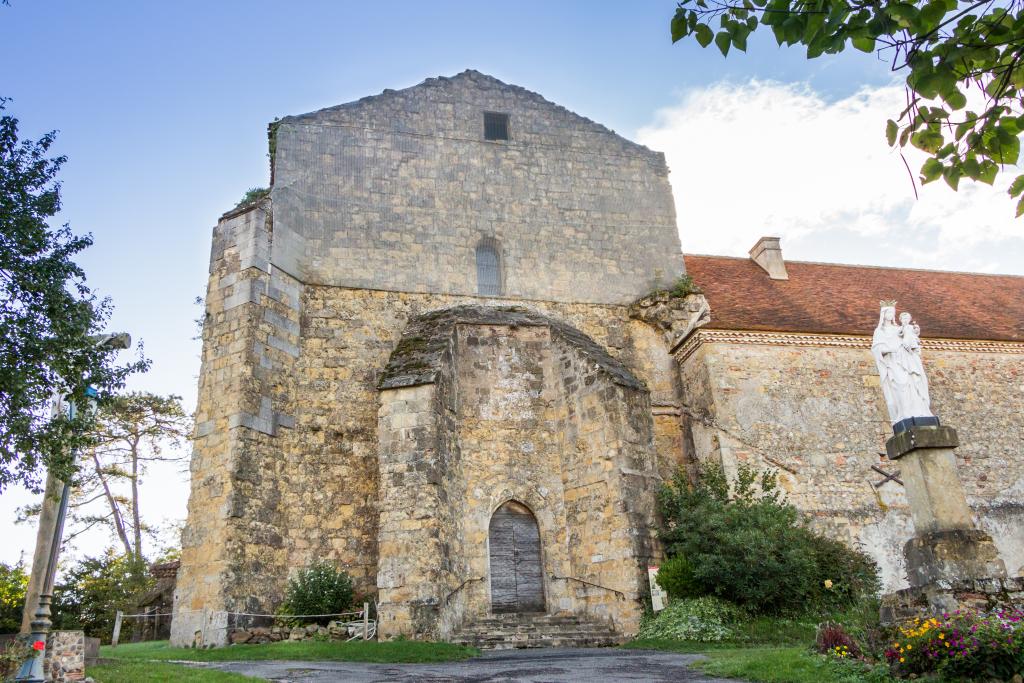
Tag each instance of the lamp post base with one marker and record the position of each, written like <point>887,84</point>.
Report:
<point>33,671</point>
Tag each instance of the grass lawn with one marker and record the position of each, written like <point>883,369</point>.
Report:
<point>784,665</point>
<point>395,651</point>
<point>764,664</point>
<point>158,672</point>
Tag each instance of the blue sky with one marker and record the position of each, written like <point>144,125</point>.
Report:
<point>162,107</point>
<point>162,110</point>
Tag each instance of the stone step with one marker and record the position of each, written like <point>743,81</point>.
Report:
<point>477,629</point>
<point>513,631</point>
<point>529,621</point>
<point>534,640</point>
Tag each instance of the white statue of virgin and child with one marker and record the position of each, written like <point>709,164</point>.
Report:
<point>897,351</point>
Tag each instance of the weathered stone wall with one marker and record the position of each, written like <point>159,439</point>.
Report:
<point>817,415</point>
<point>396,191</point>
<point>981,594</point>
<point>286,465</point>
<point>65,656</point>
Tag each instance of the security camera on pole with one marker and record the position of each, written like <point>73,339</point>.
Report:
<point>32,669</point>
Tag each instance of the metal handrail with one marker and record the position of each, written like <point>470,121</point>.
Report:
<point>461,586</point>
<point>589,583</point>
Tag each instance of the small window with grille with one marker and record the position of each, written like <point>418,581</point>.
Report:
<point>495,126</point>
<point>488,269</point>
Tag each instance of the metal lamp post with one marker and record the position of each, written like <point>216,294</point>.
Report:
<point>32,670</point>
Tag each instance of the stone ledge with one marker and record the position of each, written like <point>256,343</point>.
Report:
<point>948,595</point>
<point>921,437</point>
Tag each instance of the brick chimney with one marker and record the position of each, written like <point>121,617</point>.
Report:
<point>767,253</point>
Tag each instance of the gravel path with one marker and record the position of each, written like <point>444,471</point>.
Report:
<point>502,666</point>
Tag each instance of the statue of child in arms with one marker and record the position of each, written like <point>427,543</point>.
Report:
<point>897,352</point>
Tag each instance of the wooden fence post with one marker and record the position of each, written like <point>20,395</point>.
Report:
<point>117,629</point>
<point>366,621</point>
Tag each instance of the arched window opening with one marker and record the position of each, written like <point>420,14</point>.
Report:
<point>517,583</point>
<point>488,268</point>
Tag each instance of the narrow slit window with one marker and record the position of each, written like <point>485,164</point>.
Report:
<point>488,271</point>
<point>495,126</point>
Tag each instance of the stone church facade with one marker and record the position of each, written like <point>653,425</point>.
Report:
<point>441,356</point>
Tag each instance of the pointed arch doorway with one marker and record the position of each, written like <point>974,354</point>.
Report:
<point>517,583</point>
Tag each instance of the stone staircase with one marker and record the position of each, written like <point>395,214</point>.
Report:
<point>513,631</point>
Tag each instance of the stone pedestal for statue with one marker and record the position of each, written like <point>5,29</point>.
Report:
<point>946,543</point>
<point>947,551</point>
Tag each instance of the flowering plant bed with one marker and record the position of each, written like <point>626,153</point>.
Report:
<point>964,645</point>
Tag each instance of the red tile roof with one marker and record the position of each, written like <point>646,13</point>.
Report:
<point>829,298</point>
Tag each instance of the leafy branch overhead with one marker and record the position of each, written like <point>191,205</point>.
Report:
<point>964,75</point>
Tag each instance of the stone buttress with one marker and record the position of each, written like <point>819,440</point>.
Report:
<point>481,406</point>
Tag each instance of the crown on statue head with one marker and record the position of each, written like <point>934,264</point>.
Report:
<point>887,303</point>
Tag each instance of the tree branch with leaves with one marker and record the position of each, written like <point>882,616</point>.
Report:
<point>132,431</point>
<point>962,62</point>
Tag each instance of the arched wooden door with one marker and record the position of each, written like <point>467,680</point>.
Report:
<point>517,583</point>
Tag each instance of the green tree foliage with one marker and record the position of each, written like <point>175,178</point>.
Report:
<point>745,544</point>
<point>945,48</point>
<point>94,589</point>
<point>47,314</point>
<point>319,589</point>
<point>675,576</point>
<point>13,583</point>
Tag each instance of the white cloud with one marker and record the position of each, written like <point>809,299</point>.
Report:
<point>772,158</point>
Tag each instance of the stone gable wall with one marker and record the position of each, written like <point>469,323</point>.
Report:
<point>817,415</point>
<point>395,192</point>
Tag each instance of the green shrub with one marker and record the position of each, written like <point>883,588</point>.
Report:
<point>318,589</point>
<point>745,544</point>
<point>843,576</point>
<point>685,286</point>
<point>704,619</point>
<point>253,195</point>
<point>676,576</point>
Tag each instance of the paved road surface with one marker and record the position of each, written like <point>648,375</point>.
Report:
<point>552,665</point>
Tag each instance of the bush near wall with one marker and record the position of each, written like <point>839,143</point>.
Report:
<point>740,541</point>
<point>318,589</point>
<point>703,620</point>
